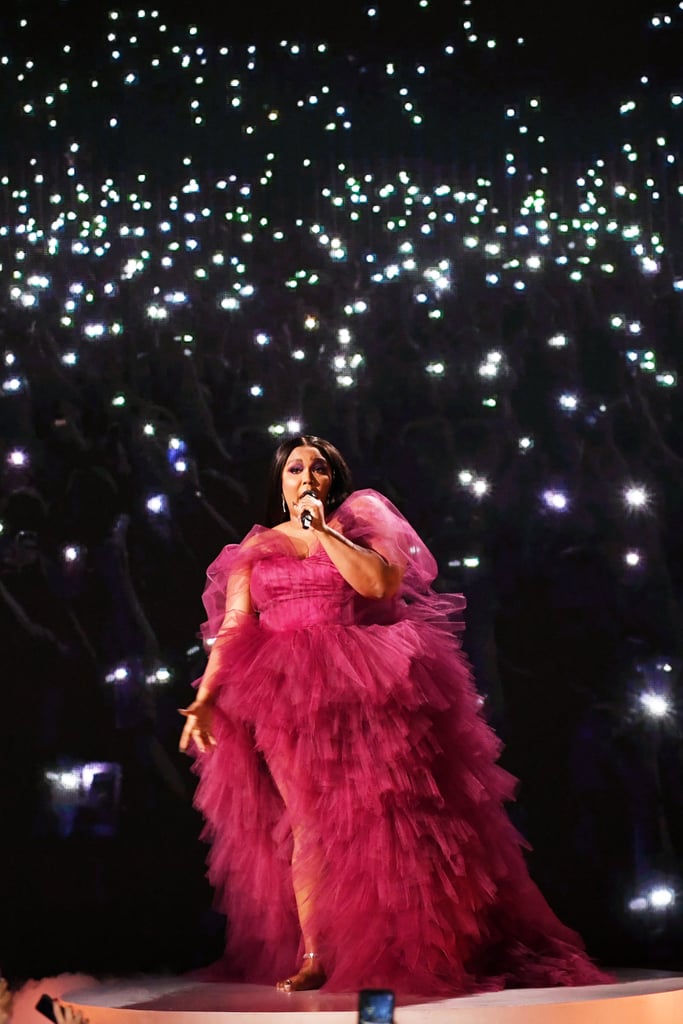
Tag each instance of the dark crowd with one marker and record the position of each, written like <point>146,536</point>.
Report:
<point>462,265</point>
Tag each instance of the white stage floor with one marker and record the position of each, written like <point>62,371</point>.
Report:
<point>637,998</point>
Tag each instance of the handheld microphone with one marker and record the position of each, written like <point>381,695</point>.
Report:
<point>306,515</point>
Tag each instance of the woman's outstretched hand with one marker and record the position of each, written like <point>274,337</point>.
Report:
<point>198,727</point>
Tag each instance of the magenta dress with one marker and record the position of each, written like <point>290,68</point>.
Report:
<point>354,725</point>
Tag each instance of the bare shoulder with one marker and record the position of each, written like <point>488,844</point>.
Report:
<point>290,530</point>
<point>284,528</point>
<point>256,538</point>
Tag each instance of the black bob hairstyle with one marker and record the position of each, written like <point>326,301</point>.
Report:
<point>341,487</point>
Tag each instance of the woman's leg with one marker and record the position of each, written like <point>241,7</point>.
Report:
<point>307,866</point>
<point>305,875</point>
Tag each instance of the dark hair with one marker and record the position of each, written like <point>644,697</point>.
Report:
<point>341,476</point>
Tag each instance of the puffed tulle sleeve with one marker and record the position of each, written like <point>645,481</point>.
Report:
<point>231,571</point>
<point>234,558</point>
<point>371,520</point>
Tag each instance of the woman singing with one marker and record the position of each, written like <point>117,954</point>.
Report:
<point>347,777</point>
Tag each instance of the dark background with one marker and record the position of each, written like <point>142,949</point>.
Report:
<point>562,635</point>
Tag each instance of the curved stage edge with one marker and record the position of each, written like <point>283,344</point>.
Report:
<point>637,998</point>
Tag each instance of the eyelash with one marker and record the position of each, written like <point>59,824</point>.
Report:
<point>319,468</point>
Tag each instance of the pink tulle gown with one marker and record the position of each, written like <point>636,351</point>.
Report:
<point>354,726</point>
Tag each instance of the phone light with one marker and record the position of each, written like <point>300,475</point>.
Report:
<point>636,497</point>
<point>656,705</point>
<point>556,500</point>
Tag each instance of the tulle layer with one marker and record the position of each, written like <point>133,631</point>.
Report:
<point>365,746</point>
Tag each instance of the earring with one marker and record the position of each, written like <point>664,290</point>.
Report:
<point>284,504</point>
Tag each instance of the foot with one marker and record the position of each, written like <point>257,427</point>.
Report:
<point>311,976</point>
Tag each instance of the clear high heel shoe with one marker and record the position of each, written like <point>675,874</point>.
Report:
<point>305,981</point>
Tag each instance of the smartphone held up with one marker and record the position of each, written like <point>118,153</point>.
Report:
<point>376,1006</point>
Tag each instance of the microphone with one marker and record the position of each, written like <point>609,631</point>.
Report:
<point>306,515</point>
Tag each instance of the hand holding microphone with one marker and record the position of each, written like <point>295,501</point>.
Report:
<point>307,516</point>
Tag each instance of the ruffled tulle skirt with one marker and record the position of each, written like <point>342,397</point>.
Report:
<point>361,751</point>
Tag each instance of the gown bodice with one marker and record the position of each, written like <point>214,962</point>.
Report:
<point>293,593</point>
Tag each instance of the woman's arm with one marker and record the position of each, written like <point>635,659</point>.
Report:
<point>237,606</point>
<point>199,715</point>
<point>367,570</point>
